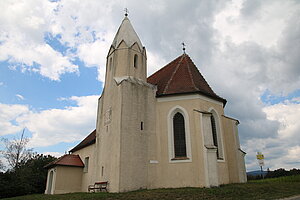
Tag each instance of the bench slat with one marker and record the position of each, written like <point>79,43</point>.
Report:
<point>98,186</point>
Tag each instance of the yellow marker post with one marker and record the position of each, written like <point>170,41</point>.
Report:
<point>260,157</point>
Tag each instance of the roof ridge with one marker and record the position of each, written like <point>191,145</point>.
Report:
<point>162,68</point>
<point>191,76</point>
<point>61,157</point>
<point>206,81</point>
<point>88,140</point>
<point>174,72</point>
<point>203,79</point>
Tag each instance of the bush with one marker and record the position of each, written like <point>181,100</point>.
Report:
<point>282,172</point>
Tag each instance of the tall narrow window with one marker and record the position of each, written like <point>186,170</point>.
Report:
<point>135,61</point>
<point>179,139</point>
<point>110,63</point>
<point>86,164</point>
<point>214,134</point>
<point>179,135</point>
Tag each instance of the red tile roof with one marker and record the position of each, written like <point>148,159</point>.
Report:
<point>67,160</point>
<point>90,139</point>
<point>181,76</point>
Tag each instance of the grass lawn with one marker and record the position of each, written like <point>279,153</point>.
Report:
<point>262,189</point>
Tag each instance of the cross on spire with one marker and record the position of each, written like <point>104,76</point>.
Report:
<point>183,47</point>
<point>126,12</point>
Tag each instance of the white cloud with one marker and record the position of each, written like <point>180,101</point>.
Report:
<point>94,54</point>
<point>294,153</point>
<point>262,22</point>
<point>22,38</point>
<point>55,154</point>
<point>49,127</point>
<point>85,28</point>
<point>154,62</point>
<point>62,125</point>
<point>1,83</point>
<point>20,97</point>
<point>39,58</point>
<point>288,115</point>
<point>8,114</point>
<point>246,66</point>
<point>282,149</point>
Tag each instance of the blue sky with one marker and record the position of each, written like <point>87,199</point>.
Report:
<point>40,93</point>
<point>53,54</point>
<point>268,98</point>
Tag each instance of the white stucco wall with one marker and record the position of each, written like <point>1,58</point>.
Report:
<point>89,177</point>
<point>204,169</point>
<point>66,179</point>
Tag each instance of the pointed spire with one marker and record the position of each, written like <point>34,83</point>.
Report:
<point>127,34</point>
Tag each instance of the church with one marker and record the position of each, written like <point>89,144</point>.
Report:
<point>165,131</point>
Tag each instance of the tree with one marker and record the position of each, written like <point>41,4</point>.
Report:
<point>1,166</point>
<point>29,178</point>
<point>16,152</point>
<point>27,174</point>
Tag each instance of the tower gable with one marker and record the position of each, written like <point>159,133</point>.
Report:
<point>135,46</point>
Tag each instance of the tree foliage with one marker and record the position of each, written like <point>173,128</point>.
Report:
<point>274,174</point>
<point>282,172</point>
<point>28,178</point>
<point>26,173</point>
<point>1,166</point>
<point>16,152</point>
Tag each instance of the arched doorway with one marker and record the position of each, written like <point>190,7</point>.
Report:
<point>50,181</point>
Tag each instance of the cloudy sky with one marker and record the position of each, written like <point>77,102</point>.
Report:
<point>52,65</point>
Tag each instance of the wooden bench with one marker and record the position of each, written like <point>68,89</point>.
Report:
<point>98,186</point>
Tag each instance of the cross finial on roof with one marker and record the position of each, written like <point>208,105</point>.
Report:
<point>126,12</point>
<point>183,47</point>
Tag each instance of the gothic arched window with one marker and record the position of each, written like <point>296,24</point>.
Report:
<point>135,61</point>
<point>216,134</point>
<point>179,135</point>
<point>179,139</point>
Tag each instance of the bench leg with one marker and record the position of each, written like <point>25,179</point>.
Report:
<point>104,188</point>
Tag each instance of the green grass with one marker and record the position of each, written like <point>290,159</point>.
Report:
<point>260,189</point>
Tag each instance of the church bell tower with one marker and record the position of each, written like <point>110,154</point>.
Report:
<point>123,125</point>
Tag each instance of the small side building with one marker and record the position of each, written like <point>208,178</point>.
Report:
<point>69,173</point>
<point>64,175</point>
